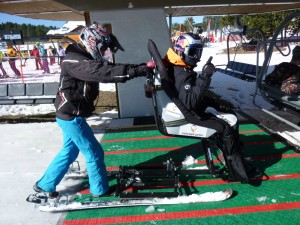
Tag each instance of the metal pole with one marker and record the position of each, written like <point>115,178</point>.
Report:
<point>170,24</point>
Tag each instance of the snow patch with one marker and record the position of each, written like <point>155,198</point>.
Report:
<point>161,210</point>
<point>150,209</point>
<point>189,160</point>
<point>293,193</point>
<point>261,199</point>
<point>198,168</point>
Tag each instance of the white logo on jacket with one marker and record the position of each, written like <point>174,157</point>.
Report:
<point>187,87</point>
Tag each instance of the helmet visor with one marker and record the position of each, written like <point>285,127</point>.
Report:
<point>195,51</point>
<point>114,44</point>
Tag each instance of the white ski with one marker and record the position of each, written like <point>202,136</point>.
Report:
<point>194,198</point>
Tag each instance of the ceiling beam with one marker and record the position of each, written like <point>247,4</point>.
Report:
<point>89,5</point>
<point>74,9</point>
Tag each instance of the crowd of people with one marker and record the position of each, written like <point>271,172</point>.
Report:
<point>42,57</point>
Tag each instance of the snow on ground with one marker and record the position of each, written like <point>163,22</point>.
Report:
<point>26,149</point>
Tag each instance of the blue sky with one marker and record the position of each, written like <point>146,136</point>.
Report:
<point>197,19</point>
<point>20,20</point>
<point>4,18</point>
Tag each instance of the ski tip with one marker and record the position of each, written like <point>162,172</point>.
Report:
<point>228,193</point>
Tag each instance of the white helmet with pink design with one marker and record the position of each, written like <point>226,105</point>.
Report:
<point>97,39</point>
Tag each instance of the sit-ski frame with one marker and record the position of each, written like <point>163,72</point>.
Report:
<point>143,180</point>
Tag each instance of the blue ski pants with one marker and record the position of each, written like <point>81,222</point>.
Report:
<point>77,136</point>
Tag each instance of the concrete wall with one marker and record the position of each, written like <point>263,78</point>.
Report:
<point>133,28</point>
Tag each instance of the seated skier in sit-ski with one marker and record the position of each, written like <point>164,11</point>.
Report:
<point>190,89</point>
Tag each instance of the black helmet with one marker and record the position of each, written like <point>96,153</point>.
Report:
<point>189,46</point>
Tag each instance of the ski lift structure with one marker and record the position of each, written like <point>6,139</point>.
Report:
<point>246,40</point>
<point>271,93</point>
<point>283,117</point>
<point>283,120</point>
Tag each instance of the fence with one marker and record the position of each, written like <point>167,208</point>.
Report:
<point>34,86</point>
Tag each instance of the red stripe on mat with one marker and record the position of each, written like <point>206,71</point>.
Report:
<point>220,181</point>
<point>164,137</point>
<point>186,214</point>
<point>250,131</point>
<point>274,177</point>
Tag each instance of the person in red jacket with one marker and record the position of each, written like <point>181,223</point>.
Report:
<point>35,52</point>
<point>81,71</point>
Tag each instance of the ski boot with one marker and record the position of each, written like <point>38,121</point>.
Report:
<point>110,192</point>
<point>42,197</point>
<point>37,189</point>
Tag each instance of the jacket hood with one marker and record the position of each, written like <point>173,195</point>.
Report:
<point>76,48</point>
<point>174,58</point>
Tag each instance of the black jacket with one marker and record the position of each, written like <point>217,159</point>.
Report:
<point>79,82</point>
<point>190,88</point>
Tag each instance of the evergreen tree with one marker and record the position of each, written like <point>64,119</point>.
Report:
<point>186,26</point>
<point>267,22</point>
<point>27,29</point>
<point>176,26</point>
<point>226,21</point>
<point>189,24</point>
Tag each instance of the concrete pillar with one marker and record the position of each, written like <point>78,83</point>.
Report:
<point>133,28</point>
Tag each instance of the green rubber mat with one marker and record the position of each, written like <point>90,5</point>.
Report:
<point>275,200</point>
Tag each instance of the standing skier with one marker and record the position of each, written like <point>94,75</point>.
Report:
<point>43,55</point>
<point>84,66</point>
<point>12,53</point>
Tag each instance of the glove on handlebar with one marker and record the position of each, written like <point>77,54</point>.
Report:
<point>141,70</point>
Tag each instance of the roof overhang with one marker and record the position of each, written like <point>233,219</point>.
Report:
<point>40,9</point>
<point>233,9</point>
<point>68,10</point>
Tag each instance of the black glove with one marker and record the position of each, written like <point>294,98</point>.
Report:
<point>208,70</point>
<point>141,70</point>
